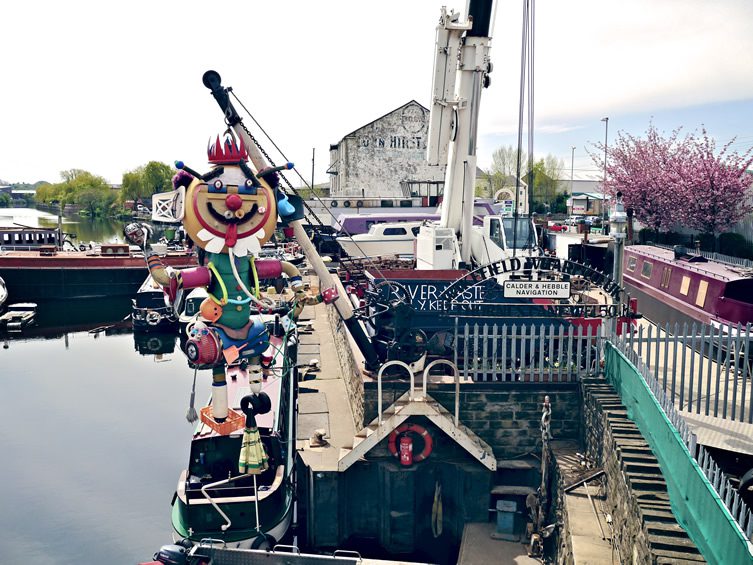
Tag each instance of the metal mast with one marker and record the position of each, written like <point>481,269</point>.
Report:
<point>461,69</point>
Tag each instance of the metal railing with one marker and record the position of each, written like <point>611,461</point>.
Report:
<point>526,353</point>
<point>704,369</point>
<point>714,256</point>
<point>728,494</point>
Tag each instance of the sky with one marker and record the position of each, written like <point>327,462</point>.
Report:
<point>107,87</point>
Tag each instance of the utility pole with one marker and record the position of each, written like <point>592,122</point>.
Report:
<point>572,169</point>
<point>604,184</point>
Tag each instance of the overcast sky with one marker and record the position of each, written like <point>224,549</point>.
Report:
<point>107,87</point>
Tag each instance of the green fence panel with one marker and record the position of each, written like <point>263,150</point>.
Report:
<point>694,501</point>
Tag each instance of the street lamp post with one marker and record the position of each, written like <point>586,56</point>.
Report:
<point>572,168</point>
<point>617,224</point>
<point>604,183</point>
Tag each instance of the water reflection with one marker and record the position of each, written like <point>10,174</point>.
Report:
<point>95,437</point>
<point>97,230</point>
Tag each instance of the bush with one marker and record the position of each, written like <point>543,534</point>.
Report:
<point>665,238</point>
<point>736,245</point>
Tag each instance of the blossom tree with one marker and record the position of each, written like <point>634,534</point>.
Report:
<point>671,180</point>
<point>716,187</point>
<point>645,170</point>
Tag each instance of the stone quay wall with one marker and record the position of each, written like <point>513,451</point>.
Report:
<point>507,416</point>
<point>644,529</point>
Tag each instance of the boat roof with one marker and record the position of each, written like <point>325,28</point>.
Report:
<point>710,268</point>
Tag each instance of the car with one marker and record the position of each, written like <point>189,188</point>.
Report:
<point>556,226</point>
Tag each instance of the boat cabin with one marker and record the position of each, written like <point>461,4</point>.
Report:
<point>25,238</point>
<point>675,287</point>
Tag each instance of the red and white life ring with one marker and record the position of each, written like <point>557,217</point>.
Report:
<point>416,429</point>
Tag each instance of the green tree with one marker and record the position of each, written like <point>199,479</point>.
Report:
<point>82,188</point>
<point>5,200</point>
<point>146,180</point>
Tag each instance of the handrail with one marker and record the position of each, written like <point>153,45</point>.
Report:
<point>670,261</point>
<point>204,489</point>
<point>457,383</point>
<point>379,384</point>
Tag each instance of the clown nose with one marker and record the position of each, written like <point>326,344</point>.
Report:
<point>233,202</point>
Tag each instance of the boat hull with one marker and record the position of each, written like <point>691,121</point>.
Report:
<point>38,279</point>
<point>275,517</point>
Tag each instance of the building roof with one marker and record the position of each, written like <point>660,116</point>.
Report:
<point>381,117</point>
<point>592,195</point>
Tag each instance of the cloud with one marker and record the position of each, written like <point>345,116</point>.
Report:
<point>108,92</point>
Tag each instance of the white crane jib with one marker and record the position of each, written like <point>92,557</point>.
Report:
<point>461,68</point>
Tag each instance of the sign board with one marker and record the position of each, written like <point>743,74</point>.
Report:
<point>537,289</point>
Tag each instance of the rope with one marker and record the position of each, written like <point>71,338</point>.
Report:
<point>191,415</point>
<point>436,511</point>
<point>290,186</point>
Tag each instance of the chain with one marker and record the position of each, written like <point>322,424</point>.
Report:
<point>272,163</point>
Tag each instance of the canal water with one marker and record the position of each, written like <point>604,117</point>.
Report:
<point>85,230</point>
<point>95,434</point>
<point>94,439</point>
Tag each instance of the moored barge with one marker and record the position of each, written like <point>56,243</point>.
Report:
<point>50,274</point>
<point>674,287</point>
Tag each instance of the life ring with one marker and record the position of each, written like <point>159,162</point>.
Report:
<point>154,344</point>
<point>153,317</point>
<point>418,430</point>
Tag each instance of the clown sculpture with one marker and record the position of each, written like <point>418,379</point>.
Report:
<point>230,213</point>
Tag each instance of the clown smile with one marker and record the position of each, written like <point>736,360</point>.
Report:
<point>235,218</point>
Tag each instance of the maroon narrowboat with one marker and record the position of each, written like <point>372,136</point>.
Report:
<point>674,287</point>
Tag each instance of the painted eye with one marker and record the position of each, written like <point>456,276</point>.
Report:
<point>247,188</point>
<point>228,214</point>
<point>217,187</point>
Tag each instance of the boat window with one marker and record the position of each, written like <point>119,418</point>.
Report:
<point>700,298</point>
<point>495,232</point>
<point>394,231</point>
<point>646,269</point>
<point>631,263</point>
<point>518,233</point>
<point>665,276</point>
<point>685,285</point>
<point>415,230</point>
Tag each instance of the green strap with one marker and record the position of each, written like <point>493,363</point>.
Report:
<point>217,276</point>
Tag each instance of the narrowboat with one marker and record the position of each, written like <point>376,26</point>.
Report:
<point>49,274</point>
<point>152,309</point>
<point>674,287</point>
<point>213,499</point>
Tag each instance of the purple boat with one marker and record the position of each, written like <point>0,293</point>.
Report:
<point>674,287</point>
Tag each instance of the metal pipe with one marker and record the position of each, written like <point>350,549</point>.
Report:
<point>212,80</point>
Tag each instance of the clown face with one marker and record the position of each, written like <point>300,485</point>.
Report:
<point>229,211</point>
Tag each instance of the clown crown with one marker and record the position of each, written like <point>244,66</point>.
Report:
<point>226,152</point>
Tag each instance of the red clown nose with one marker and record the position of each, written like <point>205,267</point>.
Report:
<point>233,202</point>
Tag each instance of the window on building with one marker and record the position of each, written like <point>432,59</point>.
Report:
<point>631,263</point>
<point>646,269</point>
